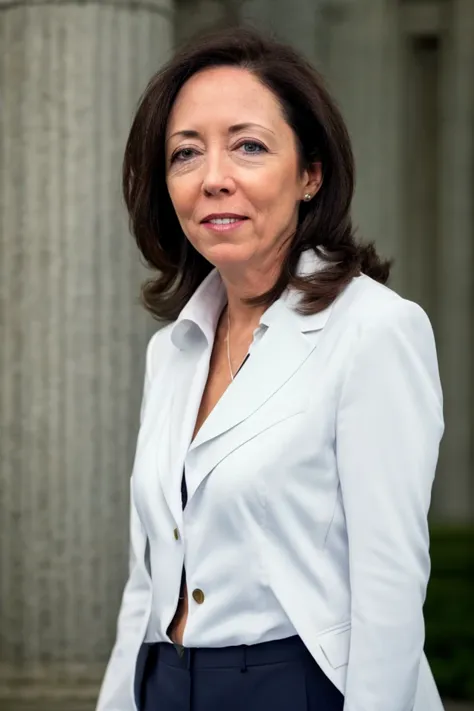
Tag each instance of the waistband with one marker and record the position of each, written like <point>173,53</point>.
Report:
<point>242,656</point>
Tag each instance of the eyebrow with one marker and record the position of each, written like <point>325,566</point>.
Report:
<point>236,128</point>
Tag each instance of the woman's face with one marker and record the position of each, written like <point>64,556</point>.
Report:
<point>232,168</point>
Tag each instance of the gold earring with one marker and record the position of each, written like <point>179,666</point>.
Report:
<point>308,197</point>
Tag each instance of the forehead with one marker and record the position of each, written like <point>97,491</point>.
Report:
<point>225,94</point>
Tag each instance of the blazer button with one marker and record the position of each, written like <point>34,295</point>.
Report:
<point>176,534</point>
<point>198,596</point>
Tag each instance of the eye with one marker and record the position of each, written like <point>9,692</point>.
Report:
<point>252,147</point>
<point>182,155</point>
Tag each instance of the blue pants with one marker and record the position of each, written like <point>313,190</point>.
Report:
<point>273,676</point>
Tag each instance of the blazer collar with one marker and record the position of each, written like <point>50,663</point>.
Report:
<point>201,314</point>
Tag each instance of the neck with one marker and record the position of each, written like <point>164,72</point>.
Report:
<point>243,285</point>
<point>242,316</point>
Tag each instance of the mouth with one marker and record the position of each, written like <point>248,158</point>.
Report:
<point>222,222</point>
<point>225,218</point>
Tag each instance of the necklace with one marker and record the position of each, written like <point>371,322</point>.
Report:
<point>229,361</point>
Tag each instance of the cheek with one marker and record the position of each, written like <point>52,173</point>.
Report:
<point>182,196</point>
<point>266,195</point>
<point>277,206</point>
<point>277,192</point>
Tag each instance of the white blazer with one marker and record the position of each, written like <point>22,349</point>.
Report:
<point>343,412</point>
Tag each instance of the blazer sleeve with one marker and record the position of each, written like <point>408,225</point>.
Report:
<point>115,693</point>
<point>389,426</point>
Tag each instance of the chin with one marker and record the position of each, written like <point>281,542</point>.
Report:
<point>225,254</point>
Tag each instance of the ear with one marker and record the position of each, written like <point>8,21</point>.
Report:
<point>312,179</point>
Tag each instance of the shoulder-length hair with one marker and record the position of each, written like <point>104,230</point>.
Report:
<point>324,223</point>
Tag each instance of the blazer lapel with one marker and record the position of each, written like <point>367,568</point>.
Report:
<point>186,378</point>
<point>283,350</point>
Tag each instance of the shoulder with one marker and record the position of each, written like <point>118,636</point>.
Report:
<point>377,323</point>
<point>371,306</point>
<point>385,332</point>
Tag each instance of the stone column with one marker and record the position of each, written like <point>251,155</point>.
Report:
<point>455,489</point>
<point>363,67</point>
<point>72,334</point>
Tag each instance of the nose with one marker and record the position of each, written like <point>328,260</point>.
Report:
<point>217,179</point>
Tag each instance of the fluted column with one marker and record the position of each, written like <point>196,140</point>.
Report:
<point>363,67</point>
<point>455,489</point>
<point>72,334</point>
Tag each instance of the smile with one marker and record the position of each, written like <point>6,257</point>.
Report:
<point>223,223</point>
<point>224,220</point>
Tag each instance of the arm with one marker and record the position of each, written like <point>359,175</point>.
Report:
<point>115,694</point>
<point>389,427</point>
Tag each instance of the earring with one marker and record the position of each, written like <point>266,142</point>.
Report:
<point>307,197</point>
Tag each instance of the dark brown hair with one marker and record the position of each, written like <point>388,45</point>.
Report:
<point>324,223</point>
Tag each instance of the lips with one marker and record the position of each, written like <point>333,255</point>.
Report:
<point>217,217</point>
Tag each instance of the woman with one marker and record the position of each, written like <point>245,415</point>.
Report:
<point>279,538</point>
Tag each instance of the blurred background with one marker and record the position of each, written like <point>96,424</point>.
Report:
<point>73,337</point>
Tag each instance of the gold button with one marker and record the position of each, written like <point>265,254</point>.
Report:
<point>176,534</point>
<point>198,596</point>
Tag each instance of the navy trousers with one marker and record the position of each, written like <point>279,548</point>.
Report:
<point>273,676</point>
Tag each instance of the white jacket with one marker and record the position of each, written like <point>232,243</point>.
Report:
<point>348,402</point>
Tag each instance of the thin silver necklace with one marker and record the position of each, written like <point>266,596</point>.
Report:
<point>229,361</point>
